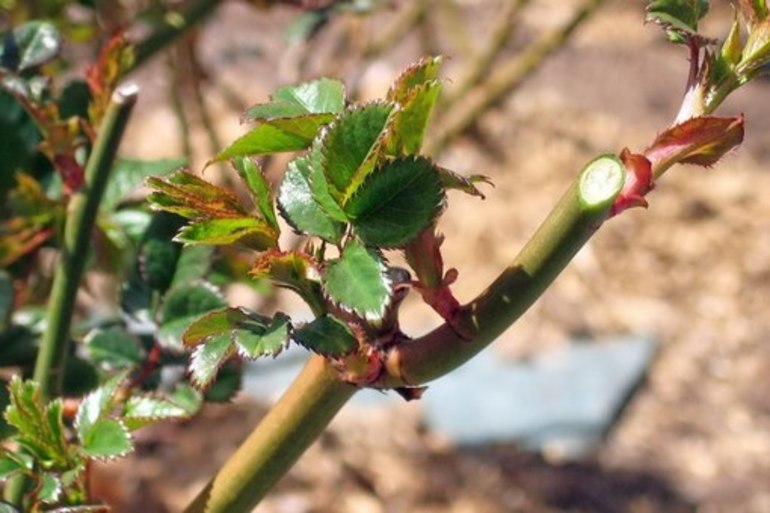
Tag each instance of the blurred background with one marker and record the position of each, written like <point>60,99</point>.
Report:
<point>638,383</point>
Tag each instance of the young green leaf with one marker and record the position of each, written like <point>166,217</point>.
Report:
<point>49,488</point>
<point>30,45</point>
<point>263,340</point>
<point>106,438</point>
<point>322,96</point>
<point>249,231</point>
<point>326,336</point>
<point>141,410</point>
<point>113,348</point>
<point>467,184</point>
<point>411,121</point>
<point>350,146</point>
<point>276,136</point>
<point>293,270</point>
<point>420,73</point>
<point>207,358</point>
<point>12,463</point>
<point>39,426</point>
<point>357,282</point>
<point>98,404</point>
<point>252,174</point>
<point>399,200</point>
<point>679,17</point>
<point>298,204</point>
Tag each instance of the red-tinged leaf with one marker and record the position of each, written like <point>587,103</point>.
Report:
<point>115,59</point>
<point>756,52</point>
<point>249,231</point>
<point>639,181</point>
<point>467,184</point>
<point>411,121</point>
<point>701,141</point>
<point>15,246</point>
<point>185,194</point>
<point>213,323</point>
<point>421,72</point>
<point>289,269</point>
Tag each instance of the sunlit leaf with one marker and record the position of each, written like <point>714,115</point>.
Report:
<point>249,231</point>
<point>207,358</point>
<point>270,341</point>
<point>298,204</point>
<point>357,281</point>
<point>141,410</point>
<point>411,121</point>
<point>399,200</point>
<point>106,438</point>
<point>49,488</point>
<point>316,97</point>
<point>467,184</point>
<point>259,188</point>
<point>351,144</point>
<point>416,75</point>
<point>187,195</point>
<point>326,336</point>
<point>97,404</point>
<point>275,136</point>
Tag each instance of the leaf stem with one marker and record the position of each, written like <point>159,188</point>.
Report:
<point>290,427</point>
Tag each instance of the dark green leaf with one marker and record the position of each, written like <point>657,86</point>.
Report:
<point>400,199</point>
<point>420,73</point>
<point>5,400</point>
<point>208,357</point>
<point>259,187</point>
<point>267,341</point>
<point>351,145</point>
<point>193,265</point>
<point>114,348</point>
<point>357,281</point>
<point>322,96</point>
<point>226,384</point>
<point>29,45</point>
<point>106,438</point>
<point>299,206</point>
<point>411,121</point>
<point>275,136</point>
<point>249,231</point>
<point>192,299</point>
<point>326,336</point>
<point>127,175</point>
<point>679,17</point>
<point>79,378</point>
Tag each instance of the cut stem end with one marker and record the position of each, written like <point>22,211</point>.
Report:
<point>601,182</point>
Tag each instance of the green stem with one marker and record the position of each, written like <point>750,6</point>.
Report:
<point>83,208</point>
<point>574,219</point>
<point>173,26</point>
<point>308,406</point>
<point>293,424</point>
